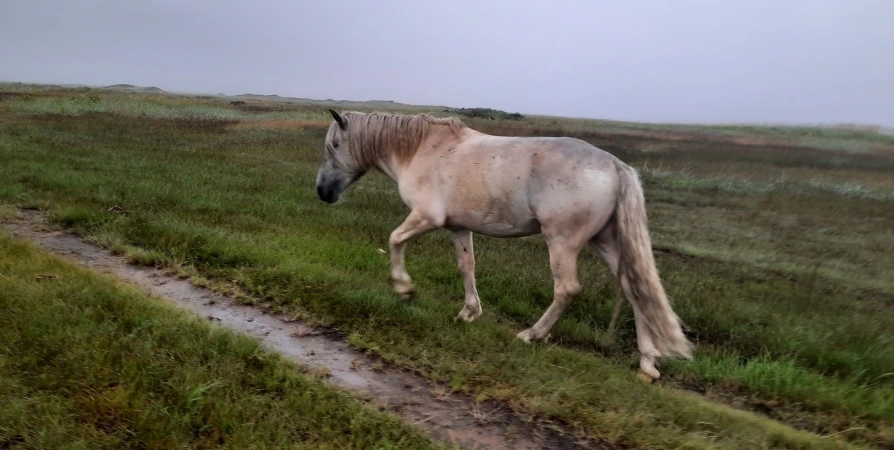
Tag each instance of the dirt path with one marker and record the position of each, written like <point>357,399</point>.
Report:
<point>452,418</point>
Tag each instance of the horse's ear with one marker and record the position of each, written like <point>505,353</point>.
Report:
<point>339,119</point>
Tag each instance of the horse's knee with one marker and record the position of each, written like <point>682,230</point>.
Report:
<point>568,289</point>
<point>393,239</point>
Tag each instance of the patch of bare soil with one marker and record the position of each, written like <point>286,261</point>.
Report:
<point>449,417</point>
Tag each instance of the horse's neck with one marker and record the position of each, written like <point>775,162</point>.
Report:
<point>387,166</point>
<point>440,138</point>
<point>393,165</point>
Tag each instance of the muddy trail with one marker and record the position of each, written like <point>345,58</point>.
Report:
<point>453,418</point>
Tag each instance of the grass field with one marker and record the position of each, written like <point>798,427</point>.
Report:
<point>87,363</point>
<point>774,244</point>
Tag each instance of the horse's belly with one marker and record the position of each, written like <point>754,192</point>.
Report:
<point>494,225</point>
<point>502,230</point>
<point>491,204</point>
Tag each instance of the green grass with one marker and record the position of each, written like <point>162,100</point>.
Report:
<point>89,363</point>
<point>142,105</point>
<point>786,291</point>
<point>849,139</point>
<point>683,180</point>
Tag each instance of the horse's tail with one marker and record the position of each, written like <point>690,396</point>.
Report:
<point>637,272</point>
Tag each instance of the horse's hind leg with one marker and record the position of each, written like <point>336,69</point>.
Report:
<point>465,260</point>
<point>606,245</point>
<point>563,254</point>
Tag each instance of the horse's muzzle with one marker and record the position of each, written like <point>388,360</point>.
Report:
<point>327,193</point>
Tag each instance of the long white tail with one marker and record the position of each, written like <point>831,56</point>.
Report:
<point>637,272</point>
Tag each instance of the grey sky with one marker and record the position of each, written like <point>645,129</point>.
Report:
<point>685,60</point>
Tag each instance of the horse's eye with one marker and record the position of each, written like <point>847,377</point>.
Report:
<point>335,145</point>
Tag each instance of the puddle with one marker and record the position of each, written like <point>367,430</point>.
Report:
<point>455,418</point>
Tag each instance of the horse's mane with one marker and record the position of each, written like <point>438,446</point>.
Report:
<point>374,136</point>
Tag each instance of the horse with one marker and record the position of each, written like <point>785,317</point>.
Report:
<point>456,178</point>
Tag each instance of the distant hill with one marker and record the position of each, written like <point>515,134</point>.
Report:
<point>132,88</point>
<point>486,113</point>
<point>346,104</point>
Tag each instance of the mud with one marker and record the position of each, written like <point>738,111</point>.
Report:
<point>452,418</point>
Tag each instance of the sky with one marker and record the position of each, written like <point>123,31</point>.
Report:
<point>793,61</point>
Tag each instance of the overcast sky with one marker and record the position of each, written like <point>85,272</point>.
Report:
<point>800,61</point>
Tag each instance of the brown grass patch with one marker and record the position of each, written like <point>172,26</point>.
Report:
<point>257,106</point>
<point>280,124</point>
<point>661,139</point>
<point>4,95</point>
<point>93,119</point>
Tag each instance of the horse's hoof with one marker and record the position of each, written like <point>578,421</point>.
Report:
<point>645,378</point>
<point>525,336</point>
<point>529,336</point>
<point>467,314</point>
<point>406,291</point>
<point>647,369</point>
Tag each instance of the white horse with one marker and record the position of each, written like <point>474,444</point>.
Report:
<point>465,181</point>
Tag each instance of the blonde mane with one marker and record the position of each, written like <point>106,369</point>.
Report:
<point>372,137</point>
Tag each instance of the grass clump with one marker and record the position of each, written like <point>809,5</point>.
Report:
<point>9,212</point>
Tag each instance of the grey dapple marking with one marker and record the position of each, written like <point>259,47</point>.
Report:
<point>457,178</point>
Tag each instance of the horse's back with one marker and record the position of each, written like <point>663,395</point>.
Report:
<point>551,150</point>
<point>538,160</point>
<point>510,185</point>
<point>573,184</point>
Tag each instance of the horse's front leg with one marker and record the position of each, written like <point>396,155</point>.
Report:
<point>415,224</point>
<point>465,260</point>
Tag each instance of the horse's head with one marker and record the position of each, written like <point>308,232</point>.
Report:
<point>339,169</point>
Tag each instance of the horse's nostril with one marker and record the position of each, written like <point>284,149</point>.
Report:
<point>326,194</point>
